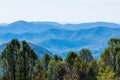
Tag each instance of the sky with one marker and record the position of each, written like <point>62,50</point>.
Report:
<point>62,11</point>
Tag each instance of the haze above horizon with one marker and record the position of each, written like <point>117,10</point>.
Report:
<point>62,11</point>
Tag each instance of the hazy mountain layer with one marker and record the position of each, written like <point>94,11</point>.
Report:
<point>59,38</point>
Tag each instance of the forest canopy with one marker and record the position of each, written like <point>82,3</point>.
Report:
<point>18,61</point>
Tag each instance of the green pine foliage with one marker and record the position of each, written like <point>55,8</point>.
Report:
<point>85,55</point>
<point>70,59</point>
<point>18,61</point>
<point>106,74</point>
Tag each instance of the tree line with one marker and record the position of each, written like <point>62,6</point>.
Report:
<point>18,61</point>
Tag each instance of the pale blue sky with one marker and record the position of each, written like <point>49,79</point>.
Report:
<point>63,11</point>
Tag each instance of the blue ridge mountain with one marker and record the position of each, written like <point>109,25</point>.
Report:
<point>61,38</point>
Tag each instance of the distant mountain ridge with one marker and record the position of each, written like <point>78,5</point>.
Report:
<point>42,26</point>
<point>61,38</point>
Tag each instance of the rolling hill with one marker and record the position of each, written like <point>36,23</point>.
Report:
<point>61,38</point>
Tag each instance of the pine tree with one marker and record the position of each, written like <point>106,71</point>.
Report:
<point>110,56</point>
<point>70,59</point>
<point>45,61</point>
<point>40,73</point>
<point>106,74</point>
<point>9,57</point>
<point>29,61</point>
<point>109,61</point>
<point>61,69</point>
<point>52,70</point>
<point>18,62</point>
<point>85,55</point>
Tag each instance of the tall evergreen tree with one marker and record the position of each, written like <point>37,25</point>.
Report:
<point>114,50</point>
<point>61,69</point>
<point>29,60</point>
<point>85,55</point>
<point>9,58</point>
<point>52,73</point>
<point>18,62</point>
<point>107,74</point>
<point>70,59</point>
<point>110,56</point>
<point>45,61</point>
<point>40,74</point>
<point>56,70</point>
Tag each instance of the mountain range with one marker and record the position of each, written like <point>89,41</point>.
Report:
<point>56,38</point>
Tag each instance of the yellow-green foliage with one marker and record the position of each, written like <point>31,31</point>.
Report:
<point>106,74</point>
